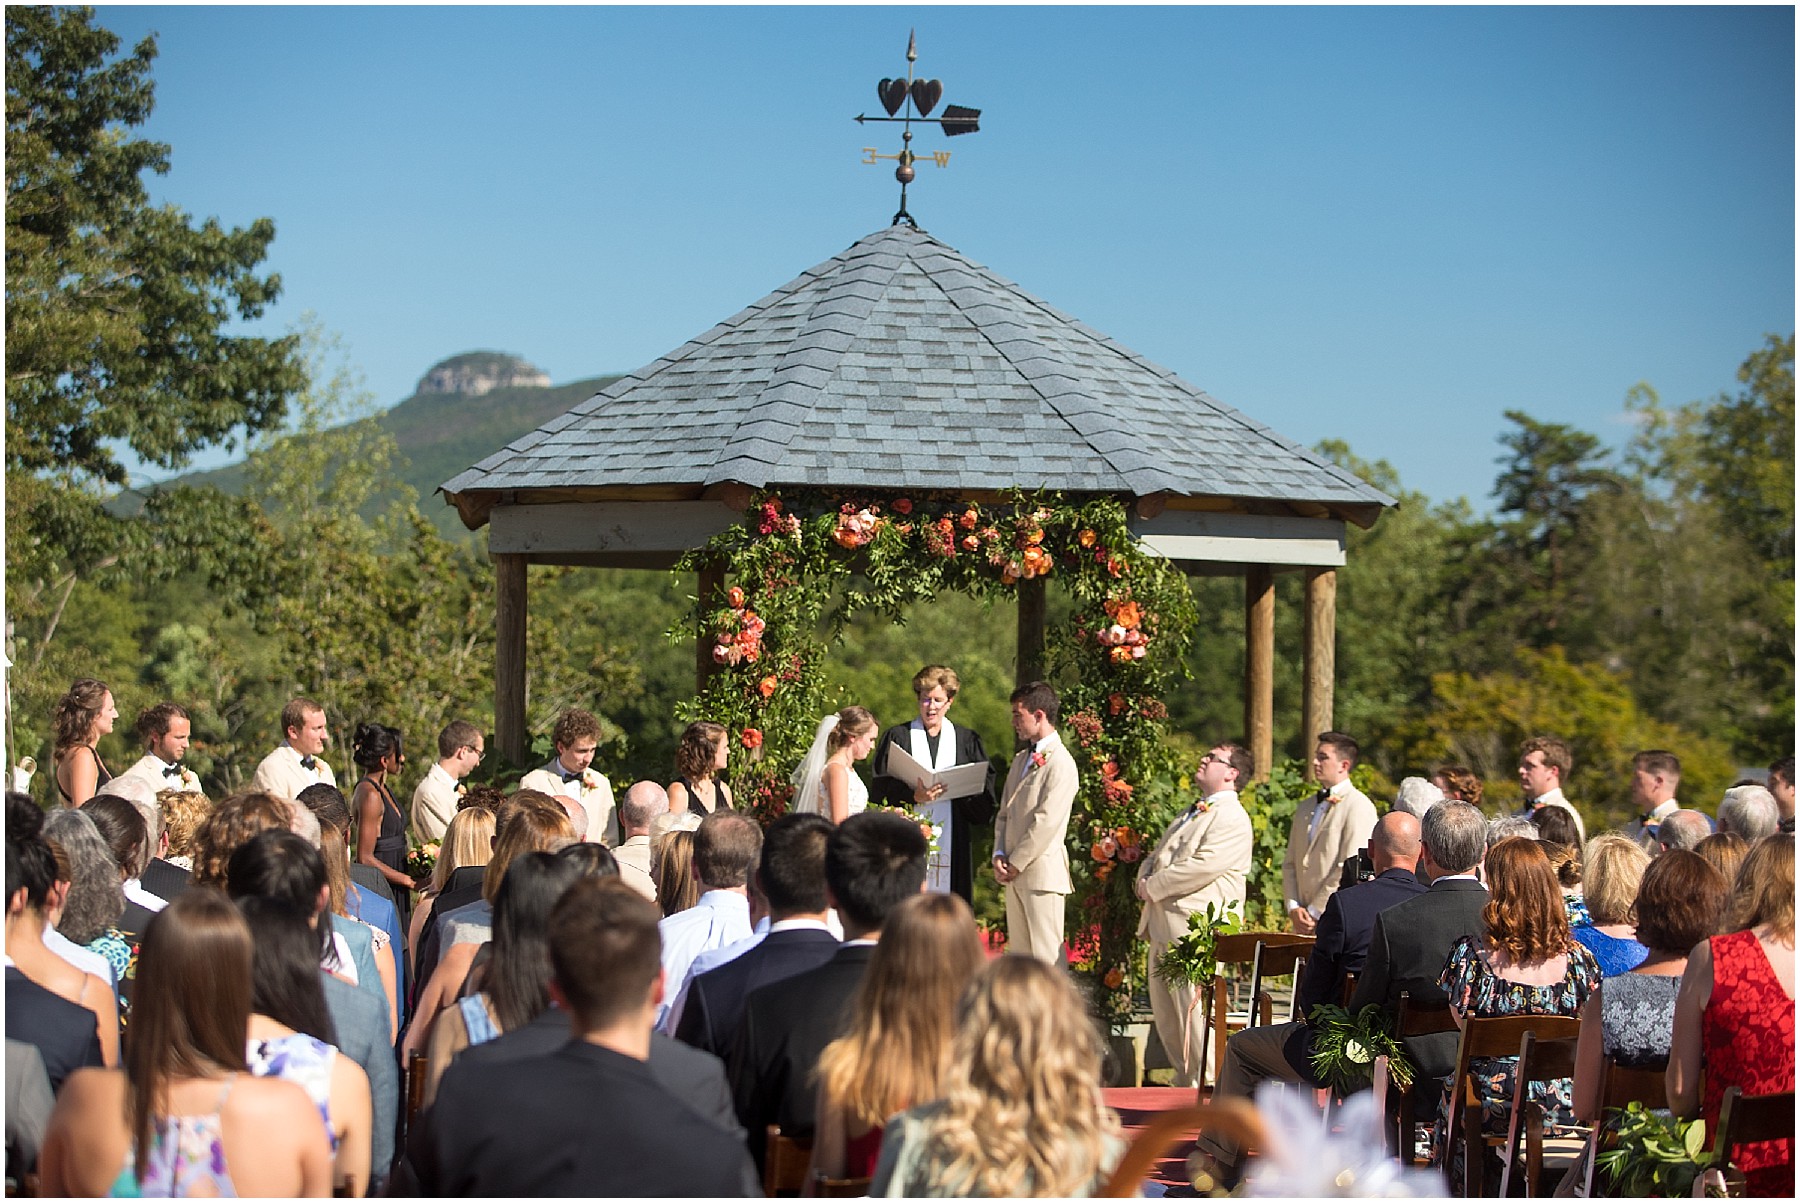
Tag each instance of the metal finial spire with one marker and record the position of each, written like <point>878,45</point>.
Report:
<point>918,97</point>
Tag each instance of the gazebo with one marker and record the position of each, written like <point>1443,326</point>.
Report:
<point>901,365</point>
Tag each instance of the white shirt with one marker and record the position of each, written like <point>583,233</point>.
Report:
<point>721,917</point>
<point>135,892</point>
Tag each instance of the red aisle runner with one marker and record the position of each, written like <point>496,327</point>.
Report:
<point>1137,1106</point>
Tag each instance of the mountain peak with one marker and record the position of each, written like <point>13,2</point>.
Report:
<point>479,372</point>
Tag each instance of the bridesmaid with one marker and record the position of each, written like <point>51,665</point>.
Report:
<point>82,716</point>
<point>380,824</point>
<point>699,759</point>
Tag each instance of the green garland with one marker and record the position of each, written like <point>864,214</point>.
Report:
<point>1126,642</point>
<point>1192,960</point>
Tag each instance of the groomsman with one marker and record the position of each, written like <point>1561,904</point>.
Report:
<point>933,740</point>
<point>1031,854</point>
<point>1329,828</point>
<point>435,797</point>
<point>1544,767</point>
<point>572,775</point>
<point>1202,860</point>
<point>164,731</point>
<point>300,759</point>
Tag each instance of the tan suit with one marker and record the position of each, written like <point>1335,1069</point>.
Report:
<point>1032,830</point>
<point>433,804</point>
<point>1202,859</point>
<point>151,769</point>
<point>1311,868</point>
<point>597,800</point>
<point>282,774</point>
<point>633,855</point>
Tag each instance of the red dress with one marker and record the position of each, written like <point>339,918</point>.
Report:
<point>1747,1041</point>
<point>862,1152</point>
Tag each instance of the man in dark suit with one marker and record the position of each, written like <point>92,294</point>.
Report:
<point>1281,1051</point>
<point>63,1032</point>
<point>1411,941</point>
<point>933,740</point>
<point>590,1118</point>
<point>873,861</point>
<point>792,879</point>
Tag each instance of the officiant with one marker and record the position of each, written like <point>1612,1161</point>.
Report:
<point>938,744</point>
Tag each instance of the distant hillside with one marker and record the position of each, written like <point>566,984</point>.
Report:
<point>441,432</point>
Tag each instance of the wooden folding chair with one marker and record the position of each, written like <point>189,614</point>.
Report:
<point>1235,1118</point>
<point>1748,1118</point>
<point>786,1161</point>
<point>1620,1085</point>
<point>1482,1037</point>
<point>1278,958</point>
<point>415,1077</point>
<point>840,1188</point>
<point>1216,1017</point>
<point>1412,1017</point>
<point>1347,993</point>
<point>1539,1061</point>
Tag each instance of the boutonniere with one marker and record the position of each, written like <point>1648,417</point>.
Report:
<point>190,781</point>
<point>462,791</point>
<point>1202,806</point>
<point>1038,759</point>
<point>590,779</point>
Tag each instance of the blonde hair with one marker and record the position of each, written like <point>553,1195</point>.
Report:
<point>1614,868</point>
<point>852,721</point>
<point>182,813</point>
<point>467,842</point>
<point>1023,1112</point>
<point>898,1041</point>
<point>1765,888</point>
<point>936,676</point>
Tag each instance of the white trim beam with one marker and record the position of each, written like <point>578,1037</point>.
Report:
<point>1189,536</point>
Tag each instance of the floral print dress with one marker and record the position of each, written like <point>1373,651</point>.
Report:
<point>1474,988</point>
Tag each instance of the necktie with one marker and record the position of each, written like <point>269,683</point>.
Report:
<point>171,770</point>
<point>307,763</point>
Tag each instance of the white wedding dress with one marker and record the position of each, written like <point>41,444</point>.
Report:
<point>858,800</point>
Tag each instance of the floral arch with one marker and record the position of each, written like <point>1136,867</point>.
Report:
<point>1126,641</point>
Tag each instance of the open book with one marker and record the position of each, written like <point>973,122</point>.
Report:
<point>959,781</point>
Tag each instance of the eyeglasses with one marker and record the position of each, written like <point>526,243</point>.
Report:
<point>478,752</point>
<point>1212,758</point>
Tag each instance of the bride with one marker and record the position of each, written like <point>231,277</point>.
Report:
<point>825,784</point>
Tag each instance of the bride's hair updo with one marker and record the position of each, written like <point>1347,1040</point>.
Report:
<point>852,721</point>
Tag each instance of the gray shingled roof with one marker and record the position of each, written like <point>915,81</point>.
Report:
<point>901,364</point>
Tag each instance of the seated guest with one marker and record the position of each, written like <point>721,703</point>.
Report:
<point>590,1118</point>
<point>127,837</point>
<point>893,1052</point>
<point>185,1118</point>
<point>791,876</point>
<point>726,847</point>
<point>182,813</point>
<point>1724,851</point>
<point>1510,827</point>
<point>1734,1016</point>
<point>352,894</point>
<point>1284,1051</point>
<point>289,874</point>
<point>158,880</point>
<point>380,957</point>
<point>1613,871</point>
<point>29,1102</point>
<point>468,845</point>
<point>1526,963</point>
<point>30,877</point>
<point>515,982</point>
<point>1562,844</point>
<point>87,899</point>
<point>1023,1114</point>
<point>672,871</point>
<point>874,861</point>
<point>642,803</point>
<point>1750,812</point>
<point>1683,829</point>
<point>291,1035</point>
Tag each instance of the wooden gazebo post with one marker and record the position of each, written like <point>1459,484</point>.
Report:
<point>1259,665</point>
<point>1320,654</point>
<point>509,656</point>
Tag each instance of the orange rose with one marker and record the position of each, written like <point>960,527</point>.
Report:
<point>766,686</point>
<point>1128,616</point>
<point>902,505</point>
<point>970,543</point>
<point>968,519</point>
<point>751,738</point>
<point>1115,977</point>
<point>1087,538</point>
<point>734,597</point>
<point>845,537</point>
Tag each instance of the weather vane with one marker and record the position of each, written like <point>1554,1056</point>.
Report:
<point>918,97</point>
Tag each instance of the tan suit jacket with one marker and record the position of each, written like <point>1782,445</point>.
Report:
<point>602,823</point>
<point>1201,859</point>
<point>1032,827</point>
<point>633,855</point>
<point>433,804</point>
<point>280,773</point>
<point>1311,868</point>
<point>151,769</point>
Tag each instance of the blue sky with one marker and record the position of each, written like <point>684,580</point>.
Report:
<point>1382,225</point>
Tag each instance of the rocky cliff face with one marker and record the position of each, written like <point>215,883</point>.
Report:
<point>481,372</point>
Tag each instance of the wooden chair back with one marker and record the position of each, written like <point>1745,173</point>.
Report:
<point>1282,958</point>
<point>786,1161</point>
<point>1621,1085</point>
<point>415,1087</point>
<point>1214,1010</point>
<point>1527,1152</point>
<point>1235,1118</point>
<point>1348,992</point>
<point>1748,1118</point>
<point>1490,1036</point>
<point>1412,1017</point>
<point>840,1188</point>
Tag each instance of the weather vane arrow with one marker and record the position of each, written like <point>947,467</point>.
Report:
<point>917,97</point>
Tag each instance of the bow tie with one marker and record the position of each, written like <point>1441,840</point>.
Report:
<point>171,770</point>
<point>307,763</point>
<point>1323,795</point>
<point>568,776</point>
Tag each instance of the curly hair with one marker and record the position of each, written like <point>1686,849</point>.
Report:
<point>182,813</point>
<point>482,797</point>
<point>1525,916</point>
<point>230,825</point>
<point>1614,867</point>
<point>75,713</point>
<point>1023,1112</point>
<point>573,725</point>
<point>698,750</point>
<point>1461,783</point>
<point>894,1050</point>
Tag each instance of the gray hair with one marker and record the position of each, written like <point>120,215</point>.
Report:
<point>1510,826</point>
<point>96,891</point>
<point>1683,829</point>
<point>642,803</point>
<point>304,823</point>
<point>1455,833</point>
<point>1417,796</point>
<point>1749,811</point>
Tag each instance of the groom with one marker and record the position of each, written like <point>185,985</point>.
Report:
<point>1031,854</point>
<point>933,740</point>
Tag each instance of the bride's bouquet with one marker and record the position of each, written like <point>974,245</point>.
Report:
<point>933,831</point>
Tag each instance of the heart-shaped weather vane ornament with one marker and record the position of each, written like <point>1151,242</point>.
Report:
<point>918,97</point>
